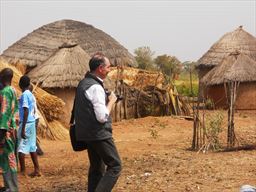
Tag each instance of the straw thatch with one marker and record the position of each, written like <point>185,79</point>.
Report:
<point>63,69</point>
<point>59,132</point>
<point>235,67</point>
<point>51,105</point>
<point>236,40</point>
<point>137,78</point>
<point>39,45</point>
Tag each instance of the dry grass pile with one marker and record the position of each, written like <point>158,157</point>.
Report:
<point>22,68</point>
<point>51,105</point>
<point>137,78</point>
<point>58,131</point>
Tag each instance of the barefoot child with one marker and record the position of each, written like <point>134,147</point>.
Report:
<point>27,130</point>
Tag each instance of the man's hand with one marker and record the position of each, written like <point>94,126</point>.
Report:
<point>112,98</point>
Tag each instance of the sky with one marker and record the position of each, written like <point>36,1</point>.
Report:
<point>184,28</point>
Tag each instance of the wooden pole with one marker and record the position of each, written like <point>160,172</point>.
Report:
<point>230,101</point>
<point>232,89</point>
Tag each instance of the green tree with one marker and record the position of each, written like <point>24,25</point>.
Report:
<point>188,79</point>
<point>144,58</point>
<point>190,66</point>
<point>169,65</point>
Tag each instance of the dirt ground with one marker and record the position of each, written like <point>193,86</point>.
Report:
<point>156,157</point>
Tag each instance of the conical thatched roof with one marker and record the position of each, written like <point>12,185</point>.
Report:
<point>65,68</point>
<point>237,40</point>
<point>235,67</point>
<point>40,44</point>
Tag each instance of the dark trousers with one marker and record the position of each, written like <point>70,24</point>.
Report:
<point>105,165</point>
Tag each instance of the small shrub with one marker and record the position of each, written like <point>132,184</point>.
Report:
<point>213,129</point>
<point>162,125</point>
<point>209,104</point>
<point>185,89</point>
<point>154,133</point>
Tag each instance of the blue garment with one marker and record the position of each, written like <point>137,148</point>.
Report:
<point>27,100</point>
<point>27,145</point>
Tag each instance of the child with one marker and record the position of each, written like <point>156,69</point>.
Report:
<point>27,129</point>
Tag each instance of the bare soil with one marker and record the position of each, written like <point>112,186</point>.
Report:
<point>156,156</point>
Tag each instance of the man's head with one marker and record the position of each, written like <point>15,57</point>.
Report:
<point>6,76</point>
<point>99,65</point>
<point>24,82</point>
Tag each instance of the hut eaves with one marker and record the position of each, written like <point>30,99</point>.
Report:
<point>234,67</point>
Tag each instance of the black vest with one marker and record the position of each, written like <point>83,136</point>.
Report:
<point>88,128</point>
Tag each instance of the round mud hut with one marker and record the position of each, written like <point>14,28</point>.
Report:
<point>60,74</point>
<point>236,67</point>
<point>36,47</point>
<point>237,40</point>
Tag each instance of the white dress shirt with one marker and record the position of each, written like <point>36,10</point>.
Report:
<point>96,95</point>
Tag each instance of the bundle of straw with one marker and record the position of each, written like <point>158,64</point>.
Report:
<point>51,105</point>
<point>58,131</point>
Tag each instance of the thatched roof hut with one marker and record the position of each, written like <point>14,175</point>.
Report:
<point>39,45</point>
<point>237,40</point>
<point>235,67</point>
<point>61,73</point>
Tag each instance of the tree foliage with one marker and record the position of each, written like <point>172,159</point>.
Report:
<point>190,66</point>
<point>144,58</point>
<point>169,65</point>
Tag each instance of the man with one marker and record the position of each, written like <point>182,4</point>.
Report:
<point>27,129</point>
<point>8,115</point>
<point>94,126</point>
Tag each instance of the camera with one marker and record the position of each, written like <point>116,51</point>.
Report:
<point>119,97</point>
